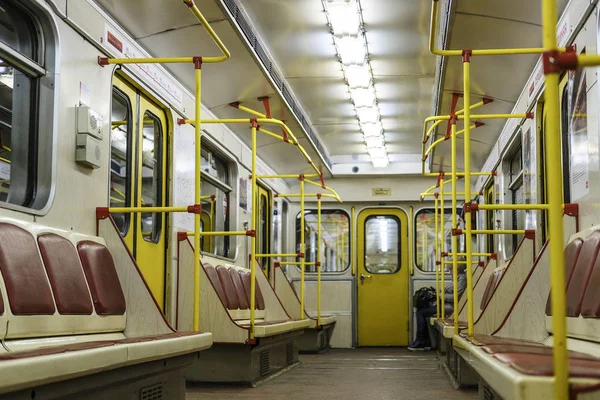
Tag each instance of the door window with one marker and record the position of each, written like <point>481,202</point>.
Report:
<point>120,158</point>
<point>335,240</point>
<point>382,244</point>
<point>151,176</point>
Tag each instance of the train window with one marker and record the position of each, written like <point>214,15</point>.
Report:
<point>216,182</point>
<point>382,244</point>
<point>516,196</point>
<point>335,244</point>
<point>490,220</point>
<point>425,237</point>
<point>26,128</point>
<point>120,158</point>
<point>151,176</point>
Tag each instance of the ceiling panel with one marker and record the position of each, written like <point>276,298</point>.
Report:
<point>147,17</point>
<point>516,10</point>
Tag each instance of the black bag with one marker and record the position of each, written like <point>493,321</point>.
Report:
<point>424,297</point>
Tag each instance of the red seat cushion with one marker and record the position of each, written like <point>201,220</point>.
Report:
<point>228,288</point>
<point>214,279</point>
<point>101,275</point>
<point>581,273</point>
<point>542,365</point>
<point>450,322</point>
<point>531,349</point>
<point>66,275</point>
<point>572,252</point>
<point>260,301</point>
<point>27,286</point>
<point>243,299</point>
<point>483,340</point>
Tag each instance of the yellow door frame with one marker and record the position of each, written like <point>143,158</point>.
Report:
<point>264,193</point>
<point>383,313</point>
<point>151,256</point>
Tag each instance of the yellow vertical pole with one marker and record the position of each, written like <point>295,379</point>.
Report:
<point>253,218</point>
<point>454,226</point>
<point>302,248</point>
<point>197,197</point>
<point>467,168</point>
<point>443,248</point>
<point>554,174</point>
<point>437,259</point>
<point>318,260</point>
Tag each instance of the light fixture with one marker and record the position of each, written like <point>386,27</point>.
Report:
<point>351,49</point>
<point>372,129</point>
<point>345,21</point>
<point>358,76</point>
<point>374,141</point>
<point>363,97</point>
<point>367,115</point>
<point>377,152</point>
<point>344,16</point>
<point>383,234</point>
<point>380,162</point>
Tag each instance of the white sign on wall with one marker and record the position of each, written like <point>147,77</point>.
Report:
<point>579,158</point>
<point>157,79</point>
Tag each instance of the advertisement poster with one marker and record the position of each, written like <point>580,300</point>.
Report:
<point>530,176</point>
<point>578,135</point>
<point>244,194</point>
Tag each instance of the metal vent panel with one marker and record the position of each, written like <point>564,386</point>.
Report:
<point>265,363</point>
<point>258,47</point>
<point>154,392</point>
<point>290,353</point>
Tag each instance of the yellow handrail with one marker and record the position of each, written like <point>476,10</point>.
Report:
<point>485,52</point>
<point>318,264</point>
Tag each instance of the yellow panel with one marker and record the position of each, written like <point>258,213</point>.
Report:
<point>151,255</point>
<point>383,300</point>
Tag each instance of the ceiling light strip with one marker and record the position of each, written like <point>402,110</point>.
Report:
<point>346,23</point>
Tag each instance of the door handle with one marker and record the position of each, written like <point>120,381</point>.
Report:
<point>363,277</point>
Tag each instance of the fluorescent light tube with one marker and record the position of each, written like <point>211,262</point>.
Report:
<point>351,49</point>
<point>380,162</point>
<point>372,129</point>
<point>383,234</point>
<point>374,141</point>
<point>343,16</point>
<point>358,76</point>
<point>363,97</point>
<point>377,152</point>
<point>367,115</point>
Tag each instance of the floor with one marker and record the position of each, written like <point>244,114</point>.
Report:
<point>370,373</point>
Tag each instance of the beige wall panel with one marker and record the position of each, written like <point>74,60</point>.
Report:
<point>526,320</point>
<point>506,291</point>
<point>478,291</point>
<point>143,315</point>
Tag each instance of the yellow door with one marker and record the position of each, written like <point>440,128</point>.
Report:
<point>263,231</point>
<point>138,177</point>
<point>382,278</point>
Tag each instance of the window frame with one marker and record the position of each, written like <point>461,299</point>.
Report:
<point>156,217</point>
<point>364,228</point>
<point>229,244</point>
<point>296,226</point>
<point>447,211</point>
<point>513,182</point>
<point>128,157</point>
<point>37,194</point>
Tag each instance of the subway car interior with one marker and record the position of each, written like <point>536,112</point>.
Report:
<point>332,199</point>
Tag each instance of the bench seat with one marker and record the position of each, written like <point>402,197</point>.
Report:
<point>65,315</point>
<point>517,368</point>
<point>232,285</point>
